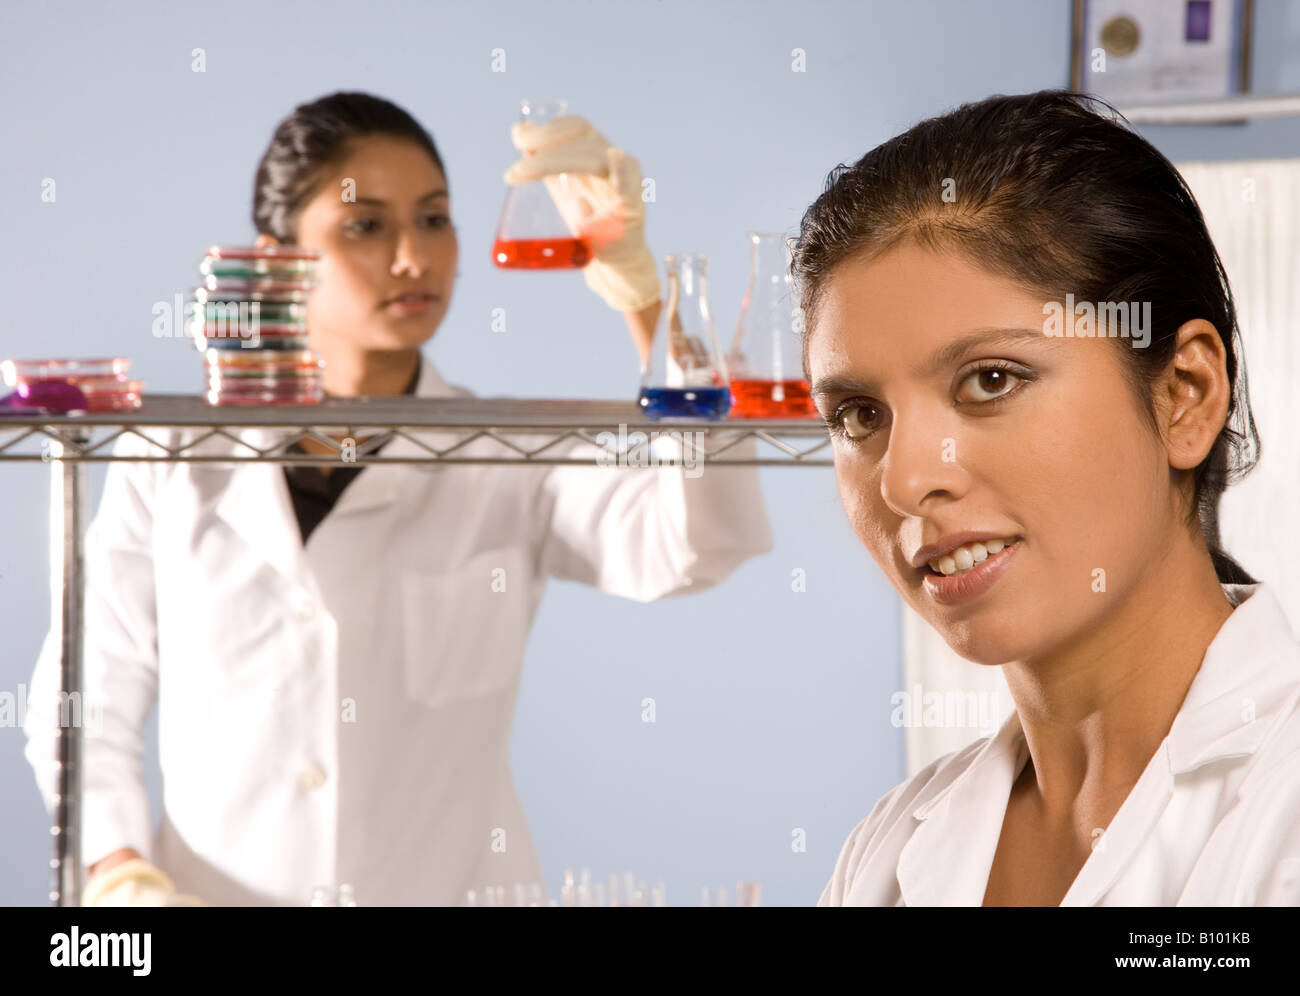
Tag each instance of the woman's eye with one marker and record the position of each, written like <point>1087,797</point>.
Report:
<point>987,384</point>
<point>437,220</point>
<point>857,422</point>
<point>361,226</point>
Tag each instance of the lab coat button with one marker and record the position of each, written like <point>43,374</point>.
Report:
<point>306,607</point>
<point>312,779</point>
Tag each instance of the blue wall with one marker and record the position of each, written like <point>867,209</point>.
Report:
<point>772,705</point>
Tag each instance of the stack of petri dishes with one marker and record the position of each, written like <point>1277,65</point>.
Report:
<point>249,320</point>
<point>105,383</point>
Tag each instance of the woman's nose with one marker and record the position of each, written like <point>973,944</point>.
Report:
<point>410,256</point>
<point>921,461</point>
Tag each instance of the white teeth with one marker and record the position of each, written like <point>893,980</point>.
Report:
<point>967,556</point>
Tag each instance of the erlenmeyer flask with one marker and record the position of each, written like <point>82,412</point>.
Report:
<point>532,235</point>
<point>687,375</point>
<point>765,357</point>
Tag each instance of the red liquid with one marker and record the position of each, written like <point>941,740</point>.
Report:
<point>753,399</point>
<point>541,254</point>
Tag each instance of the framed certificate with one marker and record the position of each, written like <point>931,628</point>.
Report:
<point>1161,51</point>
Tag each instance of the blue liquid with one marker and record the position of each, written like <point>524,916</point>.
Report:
<point>685,402</point>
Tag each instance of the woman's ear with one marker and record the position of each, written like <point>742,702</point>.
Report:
<point>1194,392</point>
<point>264,241</point>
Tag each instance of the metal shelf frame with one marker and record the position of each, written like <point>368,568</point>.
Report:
<point>500,430</point>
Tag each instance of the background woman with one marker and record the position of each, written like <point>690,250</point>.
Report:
<point>336,670</point>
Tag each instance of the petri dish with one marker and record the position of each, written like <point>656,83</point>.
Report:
<point>244,269</point>
<point>306,397</point>
<point>266,344</point>
<point>226,359</point>
<point>121,396</point>
<point>206,296</point>
<point>13,371</point>
<point>262,252</point>
<point>242,286</point>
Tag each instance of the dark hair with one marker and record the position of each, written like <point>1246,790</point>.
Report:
<point>1055,193</point>
<point>311,138</point>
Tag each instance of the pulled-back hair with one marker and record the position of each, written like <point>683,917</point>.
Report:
<point>312,137</point>
<point>1051,190</point>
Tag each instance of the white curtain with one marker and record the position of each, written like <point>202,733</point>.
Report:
<point>1252,209</point>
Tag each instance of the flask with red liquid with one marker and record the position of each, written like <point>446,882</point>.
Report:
<point>532,234</point>
<point>765,360</point>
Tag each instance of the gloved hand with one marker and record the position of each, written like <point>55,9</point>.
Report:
<point>599,199</point>
<point>134,883</point>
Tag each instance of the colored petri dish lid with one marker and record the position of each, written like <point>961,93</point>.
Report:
<point>114,401</point>
<point>93,385</point>
<point>241,330</point>
<point>241,286</point>
<point>206,296</point>
<point>265,252</point>
<point>12,371</point>
<point>265,398</point>
<point>218,308</point>
<point>278,382</point>
<point>263,340</point>
<point>266,345</point>
<point>211,266</point>
<point>291,325</point>
<point>103,382</point>
<point>238,375</point>
<point>261,357</point>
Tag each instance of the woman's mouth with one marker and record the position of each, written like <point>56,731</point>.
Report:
<point>970,570</point>
<point>407,305</point>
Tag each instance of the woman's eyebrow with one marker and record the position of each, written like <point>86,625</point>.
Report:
<point>947,355</point>
<point>380,202</point>
<point>939,360</point>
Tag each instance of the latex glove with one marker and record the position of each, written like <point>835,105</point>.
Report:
<point>134,883</point>
<point>599,198</point>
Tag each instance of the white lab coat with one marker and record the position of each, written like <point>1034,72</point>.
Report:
<point>1214,819</point>
<point>342,713</point>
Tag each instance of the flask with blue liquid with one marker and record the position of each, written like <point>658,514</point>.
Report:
<point>686,376</point>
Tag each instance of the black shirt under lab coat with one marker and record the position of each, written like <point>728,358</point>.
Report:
<point>314,493</point>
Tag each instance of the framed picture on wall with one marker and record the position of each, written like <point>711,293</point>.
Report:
<point>1161,51</point>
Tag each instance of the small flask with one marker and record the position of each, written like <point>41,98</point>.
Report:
<point>686,376</point>
<point>765,359</point>
<point>347,897</point>
<point>532,235</point>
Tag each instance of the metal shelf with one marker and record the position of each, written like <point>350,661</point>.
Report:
<point>504,431</point>
<point>185,429</point>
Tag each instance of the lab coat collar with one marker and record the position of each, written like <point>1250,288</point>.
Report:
<point>1250,674</point>
<point>255,499</point>
<point>1252,663</point>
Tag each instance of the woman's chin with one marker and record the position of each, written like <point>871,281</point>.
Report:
<point>985,640</point>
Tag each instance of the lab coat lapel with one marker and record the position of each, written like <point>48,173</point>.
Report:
<point>374,490</point>
<point>946,861</point>
<point>1241,665</point>
<point>1129,829</point>
<point>255,503</point>
<point>255,499</point>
